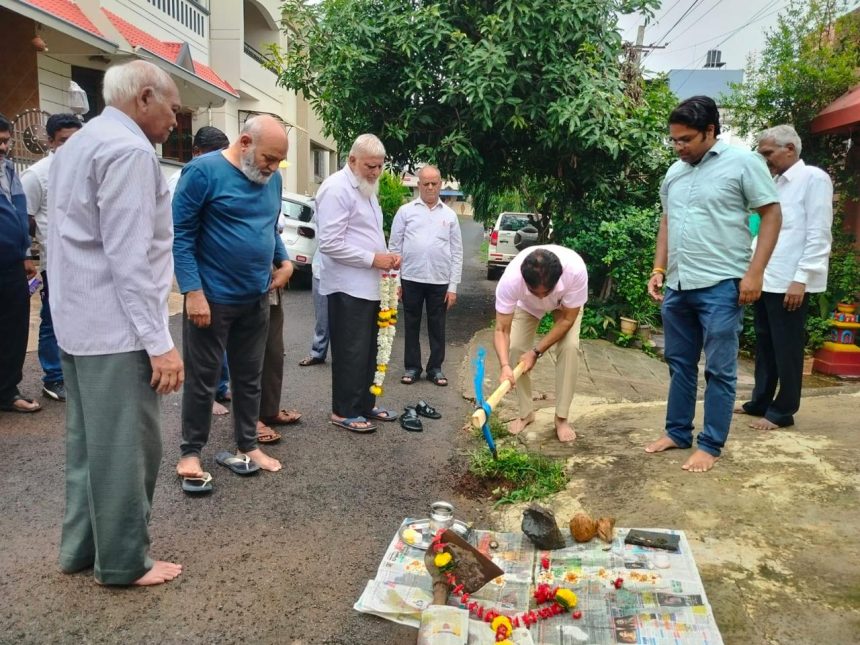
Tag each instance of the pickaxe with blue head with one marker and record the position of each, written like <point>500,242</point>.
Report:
<point>481,416</point>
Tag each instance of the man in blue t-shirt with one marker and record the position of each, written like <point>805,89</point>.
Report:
<point>225,213</point>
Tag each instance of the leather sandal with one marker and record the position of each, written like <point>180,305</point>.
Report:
<point>427,410</point>
<point>409,420</point>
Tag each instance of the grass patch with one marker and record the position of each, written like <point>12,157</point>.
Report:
<point>521,476</point>
<point>498,430</point>
<point>484,250</point>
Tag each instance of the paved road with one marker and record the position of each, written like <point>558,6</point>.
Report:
<point>278,558</point>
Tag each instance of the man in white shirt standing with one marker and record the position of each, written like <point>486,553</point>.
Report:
<point>111,268</point>
<point>540,280</point>
<point>426,233</point>
<point>797,268</point>
<point>354,256</point>
<point>35,181</point>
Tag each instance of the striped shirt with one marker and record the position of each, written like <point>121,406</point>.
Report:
<point>111,238</point>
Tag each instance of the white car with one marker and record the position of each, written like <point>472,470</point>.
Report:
<point>298,228</point>
<point>512,233</point>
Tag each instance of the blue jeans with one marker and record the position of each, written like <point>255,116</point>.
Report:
<point>224,381</point>
<point>49,351</point>
<point>693,320</point>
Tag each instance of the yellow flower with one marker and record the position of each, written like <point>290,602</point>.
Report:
<point>382,324</point>
<point>443,561</point>
<point>384,315</point>
<point>501,620</point>
<point>376,390</point>
<point>382,368</point>
<point>566,598</point>
<point>505,642</point>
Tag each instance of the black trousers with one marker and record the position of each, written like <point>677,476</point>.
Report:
<point>273,362</point>
<point>780,339</point>
<point>415,296</point>
<point>14,328</point>
<point>353,331</point>
<point>242,331</point>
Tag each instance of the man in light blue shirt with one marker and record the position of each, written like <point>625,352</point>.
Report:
<point>703,261</point>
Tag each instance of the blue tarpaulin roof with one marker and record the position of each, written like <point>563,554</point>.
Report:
<point>451,193</point>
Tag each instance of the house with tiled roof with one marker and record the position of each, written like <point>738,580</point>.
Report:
<point>213,49</point>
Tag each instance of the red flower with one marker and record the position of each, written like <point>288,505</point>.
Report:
<point>544,562</point>
<point>577,615</point>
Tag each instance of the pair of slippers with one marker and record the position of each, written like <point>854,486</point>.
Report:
<point>364,425</point>
<point>238,464</point>
<point>437,377</point>
<point>410,419</point>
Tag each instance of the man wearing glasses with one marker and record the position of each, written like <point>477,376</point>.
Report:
<point>703,273</point>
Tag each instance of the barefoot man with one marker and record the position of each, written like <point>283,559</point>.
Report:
<point>539,280</point>
<point>225,215</point>
<point>703,255</point>
<point>111,272</point>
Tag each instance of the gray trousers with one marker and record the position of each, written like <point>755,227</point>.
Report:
<point>319,346</point>
<point>113,451</point>
<point>241,330</point>
<point>273,363</point>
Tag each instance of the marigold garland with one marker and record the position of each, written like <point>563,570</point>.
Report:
<point>386,320</point>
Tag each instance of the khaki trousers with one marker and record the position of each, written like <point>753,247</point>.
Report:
<point>564,355</point>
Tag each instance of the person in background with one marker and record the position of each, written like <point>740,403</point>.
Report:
<point>426,232</point>
<point>16,268</point>
<point>35,181</point>
<point>797,268</point>
<point>319,344</point>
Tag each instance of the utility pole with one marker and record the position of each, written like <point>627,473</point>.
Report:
<point>639,46</point>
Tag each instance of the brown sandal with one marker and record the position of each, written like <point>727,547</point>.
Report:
<point>266,435</point>
<point>283,418</point>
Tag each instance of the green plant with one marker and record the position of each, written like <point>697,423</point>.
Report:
<point>625,340</point>
<point>530,476</point>
<point>595,322</point>
<point>392,195</point>
<point>498,430</point>
<point>545,324</point>
<point>817,331</point>
<point>843,281</point>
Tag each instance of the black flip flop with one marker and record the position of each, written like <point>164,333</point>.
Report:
<point>381,414</point>
<point>11,407</point>
<point>426,410</point>
<point>241,465</point>
<point>197,485</point>
<point>409,420</point>
<point>311,360</point>
<point>351,424</point>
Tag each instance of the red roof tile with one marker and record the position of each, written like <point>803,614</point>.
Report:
<point>166,50</point>
<point>67,11</point>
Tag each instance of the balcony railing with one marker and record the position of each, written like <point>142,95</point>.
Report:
<point>192,14</point>
<point>259,57</point>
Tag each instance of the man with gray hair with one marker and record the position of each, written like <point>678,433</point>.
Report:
<point>353,257</point>
<point>797,268</point>
<point>111,271</point>
<point>226,245</point>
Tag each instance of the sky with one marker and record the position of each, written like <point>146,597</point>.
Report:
<point>736,27</point>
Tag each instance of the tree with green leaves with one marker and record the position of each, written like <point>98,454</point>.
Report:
<point>501,94</point>
<point>809,59</point>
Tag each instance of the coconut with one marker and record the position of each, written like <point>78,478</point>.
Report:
<point>582,527</point>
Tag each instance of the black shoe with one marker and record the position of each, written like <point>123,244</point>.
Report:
<point>426,410</point>
<point>409,420</point>
<point>55,390</point>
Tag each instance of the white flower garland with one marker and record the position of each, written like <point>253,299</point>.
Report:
<point>386,320</point>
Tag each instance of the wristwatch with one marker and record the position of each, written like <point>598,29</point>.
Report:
<point>537,352</point>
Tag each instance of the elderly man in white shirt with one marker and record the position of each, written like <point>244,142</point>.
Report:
<point>353,257</point>
<point>111,268</point>
<point>35,182</point>
<point>426,233</point>
<point>797,268</point>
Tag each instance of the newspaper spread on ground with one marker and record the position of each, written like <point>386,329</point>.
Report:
<point>662,599</point>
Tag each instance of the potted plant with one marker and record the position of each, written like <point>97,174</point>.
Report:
<point>844,280</point>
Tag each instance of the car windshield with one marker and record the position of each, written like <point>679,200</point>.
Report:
<point>295,210</point>
<point>513,222</point>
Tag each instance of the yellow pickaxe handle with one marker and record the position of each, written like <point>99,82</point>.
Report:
<point>479,417</point>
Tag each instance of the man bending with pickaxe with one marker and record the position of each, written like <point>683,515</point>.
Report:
<point>539,280</point>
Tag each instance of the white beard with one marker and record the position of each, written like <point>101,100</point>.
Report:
<point>368,188</point>
<point>251,171</point>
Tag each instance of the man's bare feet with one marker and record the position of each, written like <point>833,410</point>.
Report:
<point>700,462</point>
<point>662,444</point>
<point>516,426</point>
<point>189,466</point>
<point>563,430</point>
<point>219,410</point>
<point>160,573</point>
<point>263,460</point>
<point>764,424</point>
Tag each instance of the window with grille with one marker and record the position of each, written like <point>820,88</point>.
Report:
<point>178,144</point>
